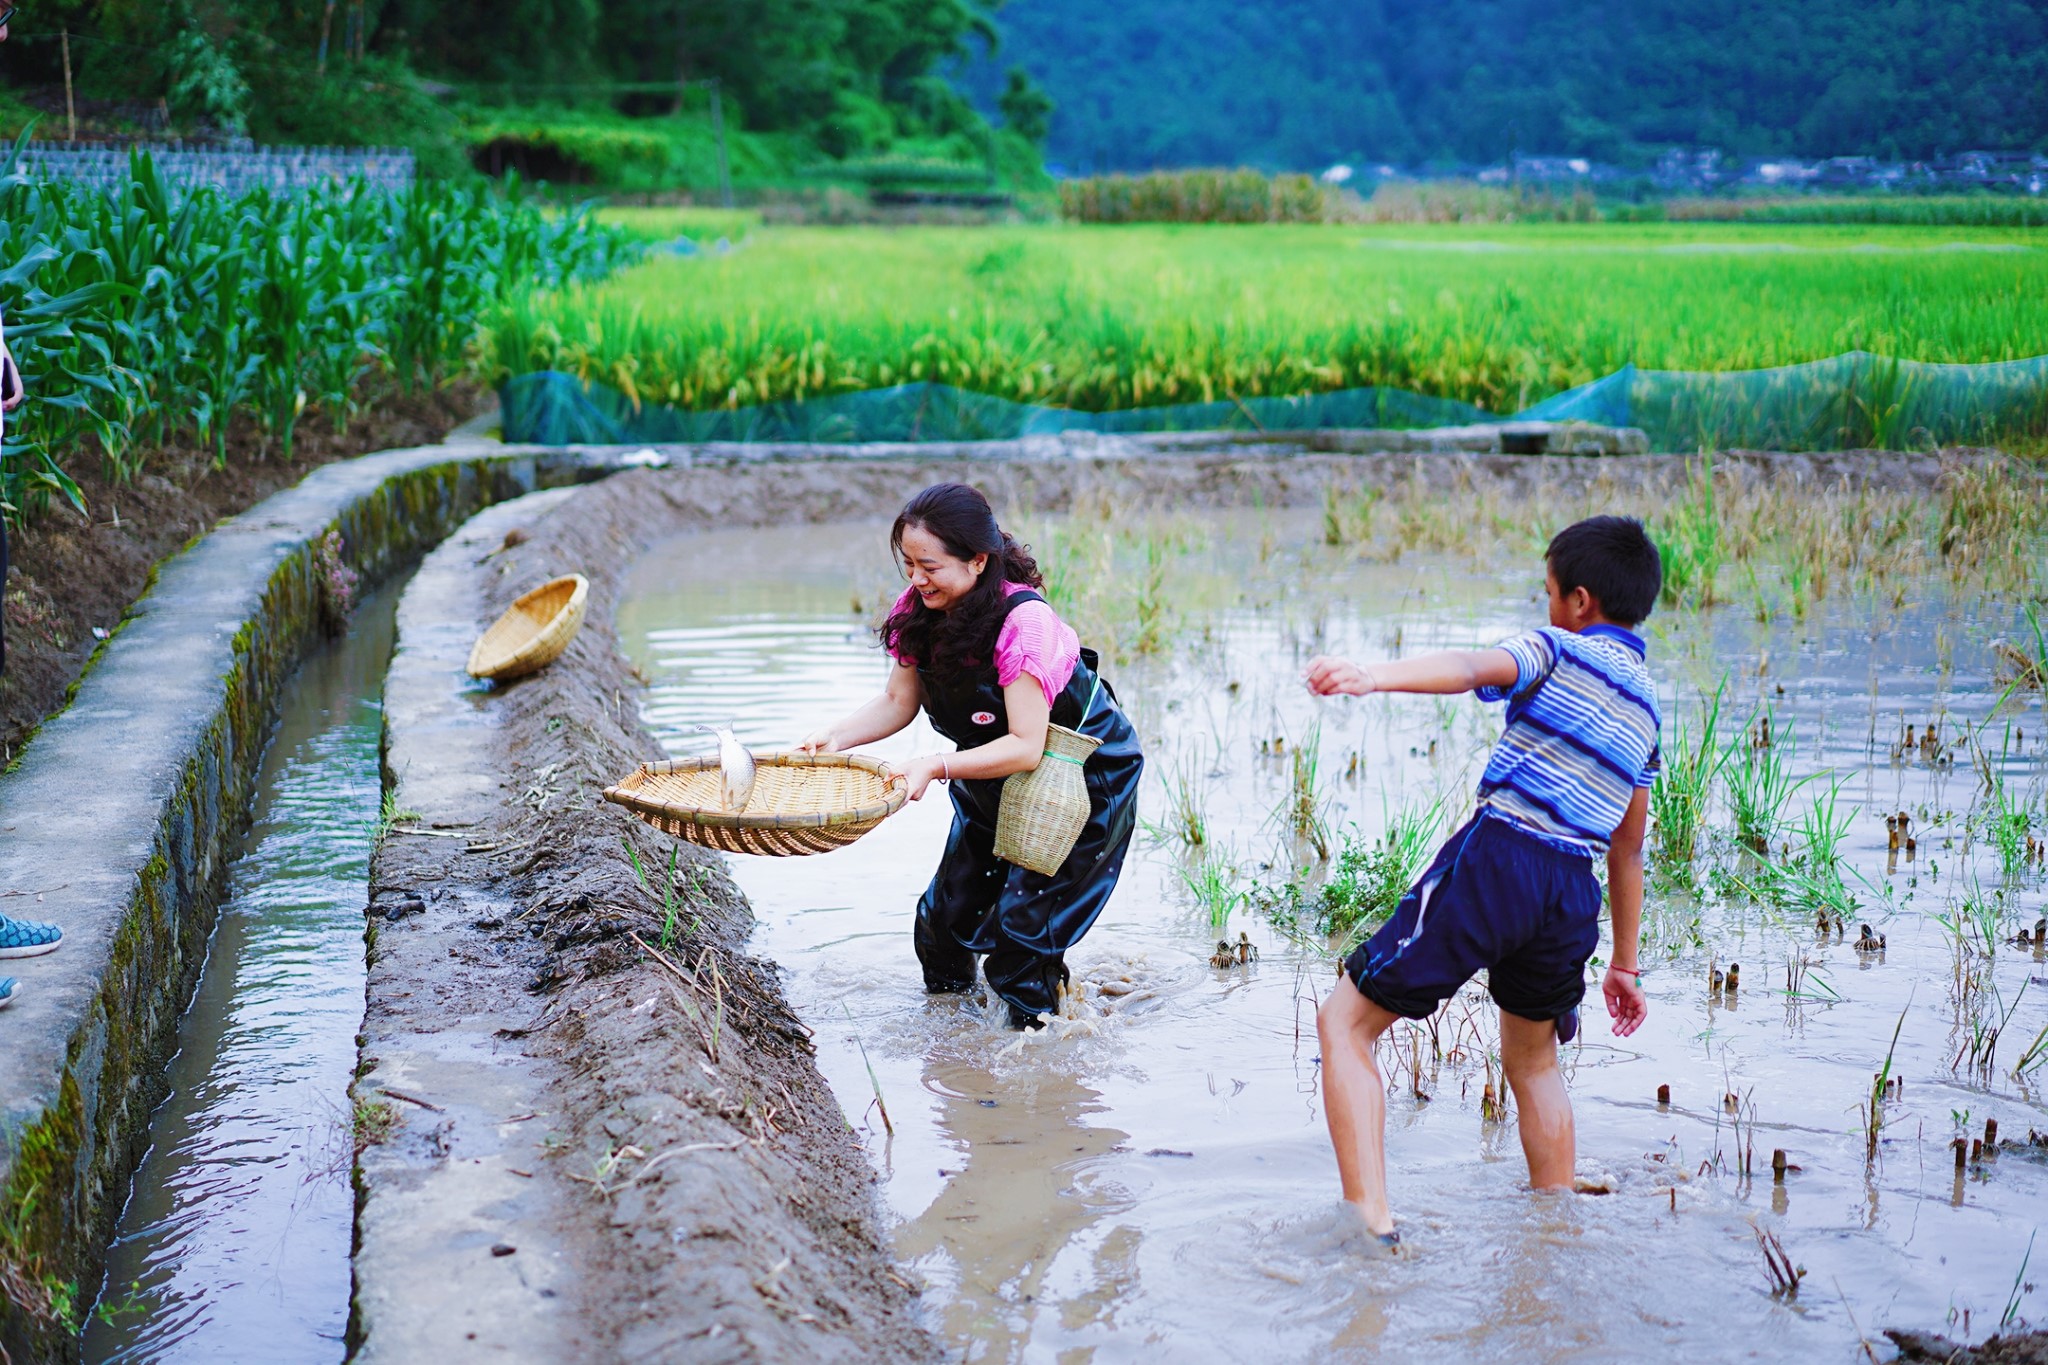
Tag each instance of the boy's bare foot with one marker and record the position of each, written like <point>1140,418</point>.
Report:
<point>1389,1236</point>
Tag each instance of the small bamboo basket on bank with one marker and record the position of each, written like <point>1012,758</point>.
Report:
<point>533,632</point>
<point>801,803</point>
<point>1043,812</point>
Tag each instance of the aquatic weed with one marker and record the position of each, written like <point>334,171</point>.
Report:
<point>1693,760</point>
<point>1303,808</point>
<point>1688,539</point>
<point>1212,884</point>
<point>1882,1088</point>
<point>1187,819</point>
<point>1759,783</point>
<point>1368,877</point>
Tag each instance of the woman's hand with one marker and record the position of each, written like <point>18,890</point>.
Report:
<point>820,742</point>
<point>1327,676</point>
<point>921,773</point>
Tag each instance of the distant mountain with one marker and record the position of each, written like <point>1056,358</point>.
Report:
<point>1299,84</point>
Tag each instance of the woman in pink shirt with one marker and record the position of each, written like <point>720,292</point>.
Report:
<point>976,648</point>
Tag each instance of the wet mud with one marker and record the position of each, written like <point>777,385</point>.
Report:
<point>2024,1348</point>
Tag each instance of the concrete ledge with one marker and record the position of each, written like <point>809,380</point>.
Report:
<point>1510,438</point>
<point>447,1184</point>
<point>120,816</point>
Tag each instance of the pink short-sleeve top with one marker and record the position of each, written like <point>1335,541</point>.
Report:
<point>1033,640</point>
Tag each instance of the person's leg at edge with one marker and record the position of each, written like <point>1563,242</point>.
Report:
<point>1355,1098</point>
<point>1528,1053</point>
<point>1028,982</point>
<point>967,882</point>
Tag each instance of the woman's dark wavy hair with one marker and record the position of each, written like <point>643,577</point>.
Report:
<point>952,643</point>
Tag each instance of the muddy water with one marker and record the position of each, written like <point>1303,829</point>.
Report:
<point>1155,1181</point>
<point>234,1245</point>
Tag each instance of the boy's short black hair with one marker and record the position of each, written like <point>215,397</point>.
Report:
<point>1612,559</point>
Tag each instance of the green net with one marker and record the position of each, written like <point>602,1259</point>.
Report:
<point>551,408</point>
<point>1848,402</point>
<point>1853,401</point>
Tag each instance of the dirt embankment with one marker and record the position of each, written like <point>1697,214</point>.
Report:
<point>707,1194</point>
<point>71,575</point>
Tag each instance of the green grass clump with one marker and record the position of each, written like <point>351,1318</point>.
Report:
<point>1366,880</point>
<point>1113,317</point>
<point>1688,540</point>
<point>1212,885</point>
<point>1760,783</point>
<point>1693,759</point>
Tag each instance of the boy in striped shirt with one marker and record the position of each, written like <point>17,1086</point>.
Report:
<point>1513,891</point>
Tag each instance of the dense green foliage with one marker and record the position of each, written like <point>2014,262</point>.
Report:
<point>141,317</point>
<point>1116,317</point>
<point>1193,197</point>
<point>838,77</point>
<point>1301,83</point>
<point>1974,210</point>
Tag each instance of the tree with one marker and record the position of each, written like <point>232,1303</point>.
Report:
<point>1027,109</point>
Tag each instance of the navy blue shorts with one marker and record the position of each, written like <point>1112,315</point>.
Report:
<point>1497,898</point>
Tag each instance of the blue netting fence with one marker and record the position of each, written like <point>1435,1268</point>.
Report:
<point>1853,401</point>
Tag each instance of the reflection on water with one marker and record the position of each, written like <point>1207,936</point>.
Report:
<point>1156,1182</point>
<point>1024,1185</point>
<point>235,1242</point>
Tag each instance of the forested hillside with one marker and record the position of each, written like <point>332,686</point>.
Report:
<point>1302,83</point>
<point>831,77</point>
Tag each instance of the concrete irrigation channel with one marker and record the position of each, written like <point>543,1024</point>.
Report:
<point>568,1138</point>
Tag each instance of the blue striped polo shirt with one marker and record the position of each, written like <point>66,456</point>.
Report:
<point>1581,735</point>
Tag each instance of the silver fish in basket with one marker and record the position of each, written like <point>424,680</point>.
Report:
<point>736,768</point>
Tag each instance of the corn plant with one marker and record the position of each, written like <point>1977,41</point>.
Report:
<point>145,314</point>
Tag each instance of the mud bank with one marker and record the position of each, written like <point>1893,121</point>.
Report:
<point>1045,474</point>
<point>2025,1348</point>
<point>591,1129</point>
<point>541,1073</point>
<point>118,821</point>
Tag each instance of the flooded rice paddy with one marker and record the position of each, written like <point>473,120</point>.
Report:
<point>1151,1179</point>
<point>234,1245</point>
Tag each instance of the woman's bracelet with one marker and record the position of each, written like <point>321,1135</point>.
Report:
<point>1630,970</point>
<point>945,768</point>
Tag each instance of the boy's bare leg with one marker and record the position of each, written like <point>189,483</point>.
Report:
<point>1355,1098</point>
<point>1528,1053</point>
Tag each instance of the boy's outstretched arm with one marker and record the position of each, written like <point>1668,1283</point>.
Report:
<point>1447,671</point>
<point>1622,987</point>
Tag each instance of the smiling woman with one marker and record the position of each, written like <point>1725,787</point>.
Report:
<point>975,646</point>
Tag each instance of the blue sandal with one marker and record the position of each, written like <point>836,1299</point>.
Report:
<point>8,990</point>
<point>27,938</point>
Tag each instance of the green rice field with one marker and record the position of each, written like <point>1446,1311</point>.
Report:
<point>1103,318</point>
